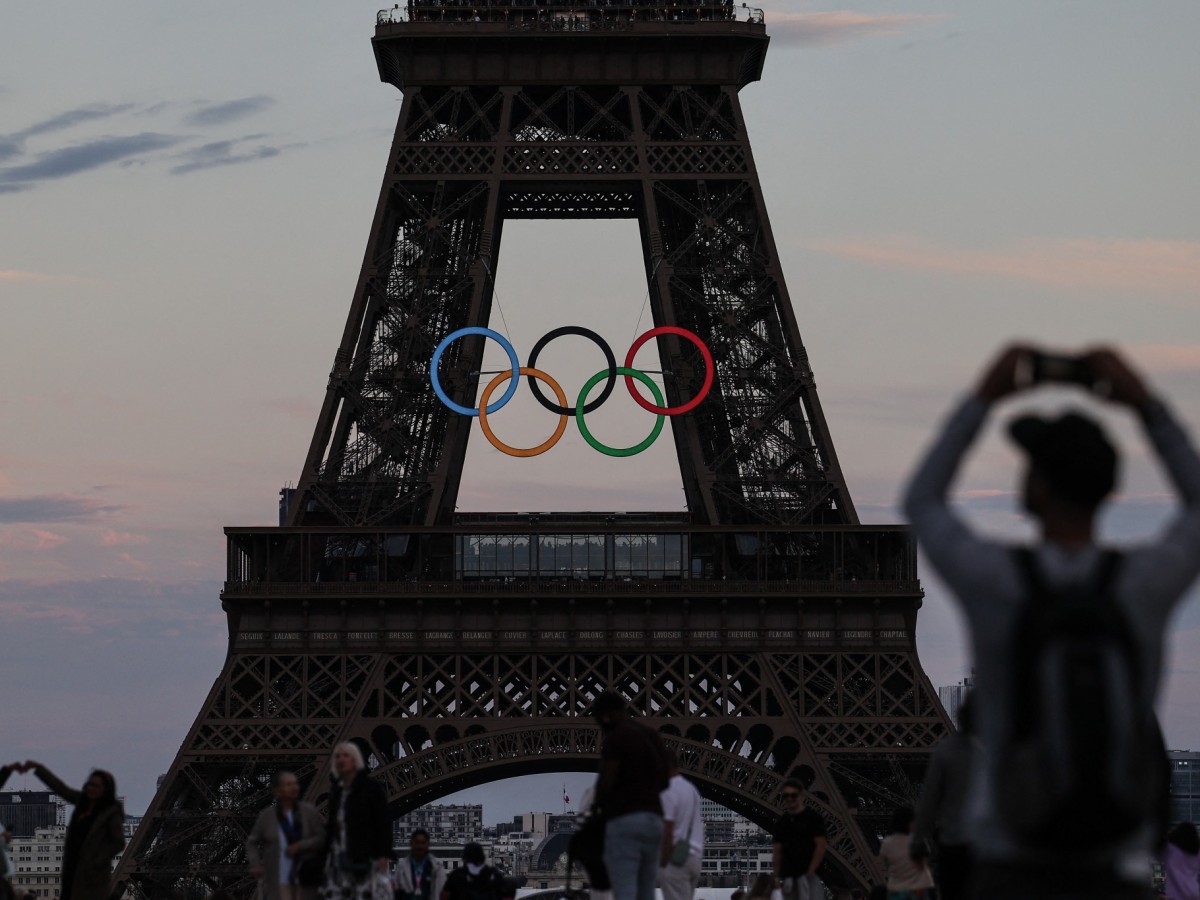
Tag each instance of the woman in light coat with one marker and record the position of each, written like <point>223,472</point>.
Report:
<point>284,834</point>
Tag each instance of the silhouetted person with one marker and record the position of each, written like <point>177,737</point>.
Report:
<point>906,877</point>
<point>1006,592</point>
<point>761,887</point>
<point>798,844</point>
<point>1181,863</point>
<point>284,833</point>
<point>419,876</point>
<point>633,772</point>
<point>941,810</point>
<point>359,830</point>
<point>95,833</point>
<point>683,836</point>
<point>475,879</point>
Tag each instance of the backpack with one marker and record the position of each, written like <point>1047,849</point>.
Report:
<point>1083,767</point>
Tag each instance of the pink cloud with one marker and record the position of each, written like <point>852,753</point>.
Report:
<point>136,564</point>
<point>825,28</point>
<point>47,540</point>
<point>71,618</point>
<point>292,406</point>
<point>31,539</point>
<point>1147,266</point>
<point>112,538</point>
<point>1169,357</point>
<point>17,275</point>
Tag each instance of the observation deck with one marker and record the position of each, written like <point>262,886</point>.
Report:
<point>593,579</point>
<point>561,42</point>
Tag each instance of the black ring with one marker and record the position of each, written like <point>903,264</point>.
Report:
<point>591,336</point>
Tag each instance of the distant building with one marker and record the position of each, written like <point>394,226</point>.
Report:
<point>728,864</point>
<point>37,861</point>
<point>723,825</point>
<point>533,822</point>
<point>952,696</point>
<point>1185,785</point>
<point>24,812</point>
<point>446,823</point>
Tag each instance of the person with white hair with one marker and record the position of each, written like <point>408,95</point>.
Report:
<point>359,831</point>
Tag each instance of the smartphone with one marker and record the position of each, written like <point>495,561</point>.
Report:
<point>1070,369</point>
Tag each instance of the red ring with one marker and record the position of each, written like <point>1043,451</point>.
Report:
<point>708,372</point>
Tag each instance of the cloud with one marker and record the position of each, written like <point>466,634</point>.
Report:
<point>296,407</point>
<point>112,538</point>
<point>820,29</point>
<point>135,564</point>
<point>224,153</point>
<point>73,117</point>
<point>1169,357</point>
<point>47,540</point>
<point>220,113</point>
<point>84,157</point>
<point>60,508</point>
<point>41,277</point>
<point>33,539</point>
<point>1160,266</point>
<point>220,153</point>
<point>13,145</point>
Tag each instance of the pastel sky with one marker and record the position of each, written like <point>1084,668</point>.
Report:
<point>185,196</point>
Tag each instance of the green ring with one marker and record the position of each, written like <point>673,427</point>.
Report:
<point>618,451</point>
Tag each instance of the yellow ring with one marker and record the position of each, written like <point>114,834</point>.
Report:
<point>487,429</point>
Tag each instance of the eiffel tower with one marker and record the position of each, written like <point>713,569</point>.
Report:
<point>764,633</point>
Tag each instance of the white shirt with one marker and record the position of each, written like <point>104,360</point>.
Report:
<point>681,807</point>
<point>285,861</point>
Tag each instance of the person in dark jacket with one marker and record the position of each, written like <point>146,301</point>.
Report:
<point>95,833</point>
<point>359,831</point>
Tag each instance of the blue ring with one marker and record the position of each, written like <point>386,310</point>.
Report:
<point>512,358</point>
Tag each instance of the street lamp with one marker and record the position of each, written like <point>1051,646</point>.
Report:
<point>736,860</point>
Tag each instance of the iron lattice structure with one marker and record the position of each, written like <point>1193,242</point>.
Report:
<point>766,633</point>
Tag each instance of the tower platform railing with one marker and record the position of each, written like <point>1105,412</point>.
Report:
<point>570,16</point>
<point>555,557</point>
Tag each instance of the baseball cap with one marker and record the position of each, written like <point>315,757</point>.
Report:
<point>1072,452</point>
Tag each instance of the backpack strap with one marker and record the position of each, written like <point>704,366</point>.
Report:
<point>1030,572</point>
<point>1102,580</point>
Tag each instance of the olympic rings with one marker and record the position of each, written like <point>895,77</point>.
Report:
<point>545,339</point>
<point>617,451</point>
<point>704,388</point>
<point>581,407</point>
<point>487,429</point>
<point>451,338</point>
